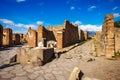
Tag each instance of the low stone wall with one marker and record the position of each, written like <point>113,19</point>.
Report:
<point>34,56</point>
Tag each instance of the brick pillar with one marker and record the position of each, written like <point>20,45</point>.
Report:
<point>1,35</point>
<point>85,35</point>
<point>40,32</point>
<point>32,38</point>
<point>60,39</point>
<point>108,31</point>
<point>7,36</point>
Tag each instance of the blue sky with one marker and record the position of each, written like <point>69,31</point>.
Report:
<point>88,14</point>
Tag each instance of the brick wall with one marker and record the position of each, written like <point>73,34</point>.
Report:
<point>7,36</point>
<point>32,38</point>
<point>16,39</point>
<point>70,34</point>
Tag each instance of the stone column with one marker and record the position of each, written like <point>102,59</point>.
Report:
<point>60,39</point>
<point>85,35</point>
<point>109,36</point>
<point>32,38</point>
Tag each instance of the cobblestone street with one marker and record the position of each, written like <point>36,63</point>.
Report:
<point>61,68</point>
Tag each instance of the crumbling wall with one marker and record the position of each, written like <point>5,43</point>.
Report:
<point>16,39</point>
<point>85,35</point>
<point>70,35</point>
<point>32,38</point>
<point>117,40</point>
<point>109,35</point>
<point>1,35</point>
<point>25,38</point>
<point>7,36</point>
<point>45,34</point>
<point>64,35</point>
<point>106,39</point>
<point>34,56</point>
<point>81,35</point>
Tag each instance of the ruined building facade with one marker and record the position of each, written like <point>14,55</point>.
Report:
<point>105,40</point>
<point>54,36</point>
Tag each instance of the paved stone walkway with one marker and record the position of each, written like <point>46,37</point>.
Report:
<point>6,54</point>
<point>61,68</point>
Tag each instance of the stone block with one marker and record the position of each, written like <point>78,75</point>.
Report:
<point>34,56</point>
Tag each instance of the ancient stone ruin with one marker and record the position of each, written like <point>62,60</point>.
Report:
<point>34,56</point>
<point>55,36</point>
<point>83,35</point>
<point>117,40</point>
<point>32,38</point>
<point>16,39</point>
<point>7,36</point>
<point>105,41</point>
<point>1,35</point>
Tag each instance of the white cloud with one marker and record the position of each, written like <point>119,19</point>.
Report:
<point>88,27</point>
<point>6,21</point>
<point>91,8</point>
<point>11,24</point>
<point>115,8</point>
<point>20,1</point>
<point>78,22</point>
<point>39,22</point>
<point>72,8</point>
<point>116,15</point>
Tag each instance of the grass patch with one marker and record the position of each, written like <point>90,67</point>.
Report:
<point>113,58</point>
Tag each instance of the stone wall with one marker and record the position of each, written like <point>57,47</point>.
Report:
<point>117,40</point>
<point>1,35</point>
<point>45,34</point>
<point>60,36</point>
<point>32,38</point>
<point>16,39</point>
<point>70,35</point>
<point>106,39</point>
<point>81,35</point>
<point>64,35</point>
<point>7,36</point>
<point>109,35</point>
<point>85,35</point>
<point>34,56</point>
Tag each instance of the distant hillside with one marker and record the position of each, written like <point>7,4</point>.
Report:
<point>117,24</point>
<point>91,33</point>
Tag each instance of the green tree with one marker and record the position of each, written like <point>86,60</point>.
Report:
<point>117,24</point>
